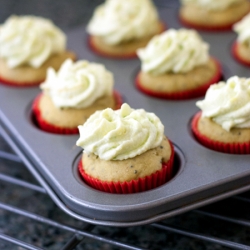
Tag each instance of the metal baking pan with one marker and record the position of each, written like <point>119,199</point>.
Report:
<point>202,175</point>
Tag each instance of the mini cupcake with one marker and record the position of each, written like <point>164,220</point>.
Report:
<point>119,27</point>
<point>28,46</point>
<point>125,151</point>
<point>241,48</point>
<point>72,94</point>
<point>224,122</point>
<point>176,65</point>
<point>212,14</point>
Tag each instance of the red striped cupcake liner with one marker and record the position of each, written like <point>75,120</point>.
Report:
<point>237,56</point>
<point>230,148</point>
<point>48,127</point>
<point>15,84</point>
<point>134,186</point>
<point>182,95</point>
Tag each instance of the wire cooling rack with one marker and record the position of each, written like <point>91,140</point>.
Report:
<point>29,219</point>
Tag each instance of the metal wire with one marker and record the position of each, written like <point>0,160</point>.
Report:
<point>79,235</point>
<point>18,242</point>
<point>211,239</point>
<point>65,227</point>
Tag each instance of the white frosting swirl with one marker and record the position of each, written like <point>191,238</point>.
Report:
<point>212,4</point>
<point>177,51</point>
<point>120,134</point>
<point>243,29</point>
<point>119,21</point>
<point>228,103</point>
<point>29,40</point>
<point>78,85</point>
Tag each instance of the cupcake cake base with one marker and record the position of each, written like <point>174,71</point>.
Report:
<point>125,50</point>
<point>180,86</point>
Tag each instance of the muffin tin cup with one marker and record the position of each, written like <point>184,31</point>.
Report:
<point>149,182</point>
<point>231,148</point>
<point>185,94</point>
<point>121,54</point>
<point>44,125</point>
<point>51,128</point>
<point>201,175</point>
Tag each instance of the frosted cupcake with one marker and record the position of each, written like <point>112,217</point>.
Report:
<point>241,48</point>
<point>28,46</point>
<point>212,14</point>
<point>224,122</point>
<point>125,151</point>
<point>119,27</point>
<point>176,65</point>
<point>72,94</point>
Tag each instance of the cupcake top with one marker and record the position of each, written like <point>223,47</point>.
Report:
<point>119,21</point>
<point>176,51</point>
<point>243,29</point>
<point>77,85</point>
<point>120,134</point>
<point>228,103</point>
<point>29,40</point>
<point>211,4</point>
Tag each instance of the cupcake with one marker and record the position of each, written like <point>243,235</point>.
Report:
<point>224,121</point>
<point>119,27</point>
<point>72,94</point>
<point>241,48</point>
<point>176,65</point>
<point>28,46</point>
<point>125,151</point>
<point>212,14</point>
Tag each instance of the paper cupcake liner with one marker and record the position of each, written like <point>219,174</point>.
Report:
<point>107,55</point>
<point>45,126</point>
<point>142,184</point>
<point>118,99</point>
<point>237,56</point>
<point>182,95</point>
<point>15,84</point>
<point>189,24</point>
<point>231,148</point>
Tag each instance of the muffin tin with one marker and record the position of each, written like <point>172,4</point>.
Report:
<point>202,175</point>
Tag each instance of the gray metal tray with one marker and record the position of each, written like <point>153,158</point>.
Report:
<point>203,176</point>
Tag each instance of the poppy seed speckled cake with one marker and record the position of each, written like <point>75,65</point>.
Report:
<point>125,151</point>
